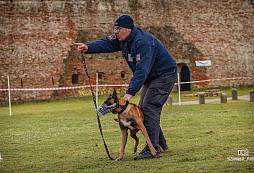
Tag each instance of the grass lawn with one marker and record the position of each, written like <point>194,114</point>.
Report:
<point>63,136</point>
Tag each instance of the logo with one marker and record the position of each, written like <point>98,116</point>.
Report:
<point>243,152</point>
<point>112,37</point>
<point>137,57</point>
<point>243,155</point>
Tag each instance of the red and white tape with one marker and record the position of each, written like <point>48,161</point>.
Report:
<point>87,86</point>
<point>209,80</point>
<point>57,88</point>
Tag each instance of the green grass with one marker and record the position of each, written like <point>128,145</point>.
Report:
<point>63,136</point>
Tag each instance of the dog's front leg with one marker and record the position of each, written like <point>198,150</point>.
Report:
<point>123,144</point>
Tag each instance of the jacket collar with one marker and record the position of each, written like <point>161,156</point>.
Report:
<point>132,34</point>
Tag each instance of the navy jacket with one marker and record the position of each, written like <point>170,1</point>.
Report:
<point>145,54</point>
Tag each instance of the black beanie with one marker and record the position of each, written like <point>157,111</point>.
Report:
<point>125,21</point>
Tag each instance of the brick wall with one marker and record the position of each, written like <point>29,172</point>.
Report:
<point>37,41</point>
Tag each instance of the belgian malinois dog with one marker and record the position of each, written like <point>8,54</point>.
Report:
<point>131,117</point>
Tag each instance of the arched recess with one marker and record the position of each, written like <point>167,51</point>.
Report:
<point>185,77</point>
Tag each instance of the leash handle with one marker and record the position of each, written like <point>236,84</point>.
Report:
<point>94,100</point>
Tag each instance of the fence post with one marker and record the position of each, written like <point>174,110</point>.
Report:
<point>179,88</point>
<point>9,94</point>
<point>234,94</point>
<point>201,97</point>
<point>97,89</point>
<point>252,96</point>
<point>223,98</point>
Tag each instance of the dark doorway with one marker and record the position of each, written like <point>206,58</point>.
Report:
<point>185,77</point>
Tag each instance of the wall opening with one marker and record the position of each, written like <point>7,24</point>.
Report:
<point>21,83</point>
<point>122,74</point>
<point>74,79</point>
<point>185,77</point>
<point>101,75</point>
<point>53,83</point>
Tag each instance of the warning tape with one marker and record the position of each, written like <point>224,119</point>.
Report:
<point>87,86</point>
<point>57,88</point>
<point>208,80</point>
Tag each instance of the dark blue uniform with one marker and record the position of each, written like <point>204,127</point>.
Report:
<point>145,54</point>
<point>153,68</point>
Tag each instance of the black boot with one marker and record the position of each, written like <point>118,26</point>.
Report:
<point>147,155</point>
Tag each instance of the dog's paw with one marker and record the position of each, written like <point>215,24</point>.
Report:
<point>118,159</point>
<point>161,149</point>
<point>154,153</point>
<point>134,150</point>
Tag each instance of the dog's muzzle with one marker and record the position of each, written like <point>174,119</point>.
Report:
<point>103,109</point>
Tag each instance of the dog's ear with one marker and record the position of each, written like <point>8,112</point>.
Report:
<point>114,94</point>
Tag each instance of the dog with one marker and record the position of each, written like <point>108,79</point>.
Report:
<point>131,117</point>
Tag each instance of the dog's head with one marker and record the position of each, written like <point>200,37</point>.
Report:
<point>110,105</point>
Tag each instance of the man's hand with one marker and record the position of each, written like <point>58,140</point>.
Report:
<point>127,97</point>
<point>81,47</point>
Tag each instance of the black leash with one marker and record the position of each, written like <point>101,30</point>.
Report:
<point>94,100</point>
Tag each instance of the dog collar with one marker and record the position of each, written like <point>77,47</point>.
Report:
<point>123,108</point>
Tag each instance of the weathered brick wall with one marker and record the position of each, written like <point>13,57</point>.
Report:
<point>37,40</point>
<point>223,32</point>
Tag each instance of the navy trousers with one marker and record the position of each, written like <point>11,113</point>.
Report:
<point>153,96</point>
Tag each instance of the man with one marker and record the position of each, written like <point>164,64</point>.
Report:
<point>153,68</point>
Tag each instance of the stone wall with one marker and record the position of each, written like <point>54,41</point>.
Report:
<point>37,41</point>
